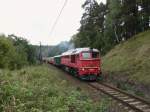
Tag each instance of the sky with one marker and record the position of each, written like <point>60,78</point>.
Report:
<point>33,19</point>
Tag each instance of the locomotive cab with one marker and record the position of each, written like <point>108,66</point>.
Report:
<point>89,64</point>
<point>82,62</point>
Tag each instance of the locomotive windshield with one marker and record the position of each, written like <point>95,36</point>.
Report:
<point>86,55</point>
<point>89,55</point>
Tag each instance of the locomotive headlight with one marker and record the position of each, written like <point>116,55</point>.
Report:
<point>83,69</point>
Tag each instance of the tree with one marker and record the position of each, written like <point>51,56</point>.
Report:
<point>130,18</point>
<point>144,14</point>
<point>15,52</point>
<point>26,51</point>
<point>6,52</point>
<point>92,26</point>
<point>113,21</point>
<point>104,26</point>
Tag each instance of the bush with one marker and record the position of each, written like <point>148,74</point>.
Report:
<point>39,89</point>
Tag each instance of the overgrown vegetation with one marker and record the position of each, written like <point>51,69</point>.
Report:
<point>15,52</point>
<point>40,89</point>
<point>131,58</point>
<point>105,25</point>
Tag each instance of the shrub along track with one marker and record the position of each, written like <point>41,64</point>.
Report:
<point>130,102</point>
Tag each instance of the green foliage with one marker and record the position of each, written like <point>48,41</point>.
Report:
<point>92,26</point>
<point>131,58</point>
<point>105,25</point>
<point>40,89</point>
<point>112,23</point>
<point>24,49</point>
<point>15,52</point>
<point>7,52</point>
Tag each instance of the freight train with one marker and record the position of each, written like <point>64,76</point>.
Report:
<point>84,63</point>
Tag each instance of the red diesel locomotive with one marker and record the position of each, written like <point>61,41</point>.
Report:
<point>81,62</point>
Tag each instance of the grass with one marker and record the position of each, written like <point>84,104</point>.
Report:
<point>131,58</point>
<point>40,89</point>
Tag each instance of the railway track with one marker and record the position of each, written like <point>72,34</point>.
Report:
<point>130,102</point>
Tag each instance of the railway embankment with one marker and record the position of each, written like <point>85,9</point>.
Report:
<point>127,65</point>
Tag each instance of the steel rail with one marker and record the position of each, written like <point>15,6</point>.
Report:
<point>131,95</point>
<point>105,88</point>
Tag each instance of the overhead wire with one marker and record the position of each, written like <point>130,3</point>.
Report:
<point>57,19</point>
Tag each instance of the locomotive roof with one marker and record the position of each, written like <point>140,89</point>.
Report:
<point>78,50</point>
<point>57,56</point>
